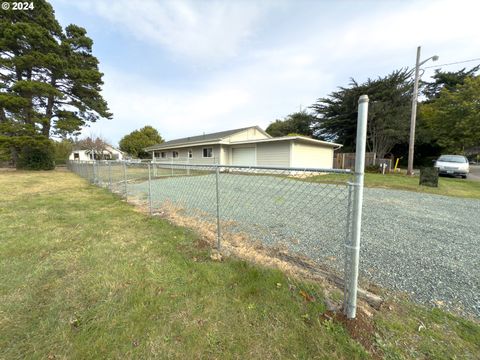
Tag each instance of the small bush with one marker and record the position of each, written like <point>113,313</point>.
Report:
<point>63,149</point>
<point>37,155</point>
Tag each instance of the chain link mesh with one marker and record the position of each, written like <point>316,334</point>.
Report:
<point>297,220</point>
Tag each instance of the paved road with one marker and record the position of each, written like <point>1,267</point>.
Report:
<point>474,172</point>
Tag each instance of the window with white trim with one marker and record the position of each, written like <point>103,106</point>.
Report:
<point>163,154</point>
<point>190,154</point>
<point>208,152</point>
<point>175,154</point>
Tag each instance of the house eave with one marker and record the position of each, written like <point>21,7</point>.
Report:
<point>289,138</point>
<point>183,145</point>
<point>255,141</point>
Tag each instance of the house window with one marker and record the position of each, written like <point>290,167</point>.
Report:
<point>175,154</point>
<point>190,154</point>
<point>208,152</point>
<point>163,154</point>
<point>76,156</point>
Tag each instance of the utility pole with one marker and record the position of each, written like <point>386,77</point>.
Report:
<point>413,118</point>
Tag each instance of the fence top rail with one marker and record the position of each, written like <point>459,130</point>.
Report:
<point>303,169</point>
<point>214,166</point>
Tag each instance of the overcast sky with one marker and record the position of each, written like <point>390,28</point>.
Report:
<point>189,67</point>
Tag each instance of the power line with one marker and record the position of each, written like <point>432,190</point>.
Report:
<point>454,63</point>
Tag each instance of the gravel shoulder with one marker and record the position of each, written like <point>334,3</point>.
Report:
<point>424,245</point>
<point>474,173</point>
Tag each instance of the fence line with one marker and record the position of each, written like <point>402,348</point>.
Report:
<point>347,161</point>
<point>297,218</point>
<point>305,212</point>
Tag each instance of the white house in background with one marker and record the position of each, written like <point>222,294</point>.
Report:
<point>109,153</point>
<point>250,146</point>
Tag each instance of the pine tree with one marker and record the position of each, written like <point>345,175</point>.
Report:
<point>388,117</point>
<point>50,81</point>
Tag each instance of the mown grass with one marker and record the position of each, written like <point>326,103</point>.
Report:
<point>446,186</point>
<point>85,275</point>
<point>415,332</point>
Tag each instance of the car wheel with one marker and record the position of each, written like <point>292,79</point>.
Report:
<point>464,176</point>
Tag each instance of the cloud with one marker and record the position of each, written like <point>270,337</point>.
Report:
<point>136,102</point>
<point>437,25</point>
<point>198,30</point>
<point>272,79</point>
<point>254,94</point>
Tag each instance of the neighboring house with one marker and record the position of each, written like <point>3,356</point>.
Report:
<point>249,146</point>
<point>109,153</point>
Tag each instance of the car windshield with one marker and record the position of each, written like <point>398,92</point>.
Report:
<point>452,158</point>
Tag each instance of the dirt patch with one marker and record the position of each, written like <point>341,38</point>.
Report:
<point>202,244</point>
<point>362,329</point>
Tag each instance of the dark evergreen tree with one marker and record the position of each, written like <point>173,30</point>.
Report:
<point>388,117</point>
<point>50,81</point>
<point>446,80</point>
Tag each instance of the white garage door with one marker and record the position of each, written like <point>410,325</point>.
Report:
<point>243,156</point>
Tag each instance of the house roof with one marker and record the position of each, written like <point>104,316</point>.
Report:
<point>218,138</point>
<point>108,148</point>
<point>290,138</point>
<point>205,139</point>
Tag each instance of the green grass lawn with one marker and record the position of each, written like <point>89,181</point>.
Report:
<point>446,186</point>
<point>85,275</point>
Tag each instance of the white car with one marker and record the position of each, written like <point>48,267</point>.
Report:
<point>453,165</point>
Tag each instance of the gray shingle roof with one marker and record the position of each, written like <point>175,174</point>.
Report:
<point>205,137</point>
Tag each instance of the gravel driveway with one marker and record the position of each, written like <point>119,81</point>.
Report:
<point>426,245</point>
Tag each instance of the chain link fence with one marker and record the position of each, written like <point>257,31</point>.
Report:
<point>297,220</point>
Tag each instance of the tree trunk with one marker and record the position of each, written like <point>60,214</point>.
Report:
<point>3,117</point>
<point>29,112</point>
<point>49,112</point>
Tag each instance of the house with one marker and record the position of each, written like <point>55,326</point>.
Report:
<point>108,153</point>
<point>250,146</point>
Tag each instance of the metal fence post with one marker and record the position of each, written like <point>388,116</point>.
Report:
<point>150,190</point>
<point>354,246</point>
<point>94,173</point>
<point>125,179</point>
<point>109,175</point>
<point>217,173</point>
<point>348,234</point>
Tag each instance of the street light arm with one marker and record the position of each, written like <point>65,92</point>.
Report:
<point>433,58</point>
